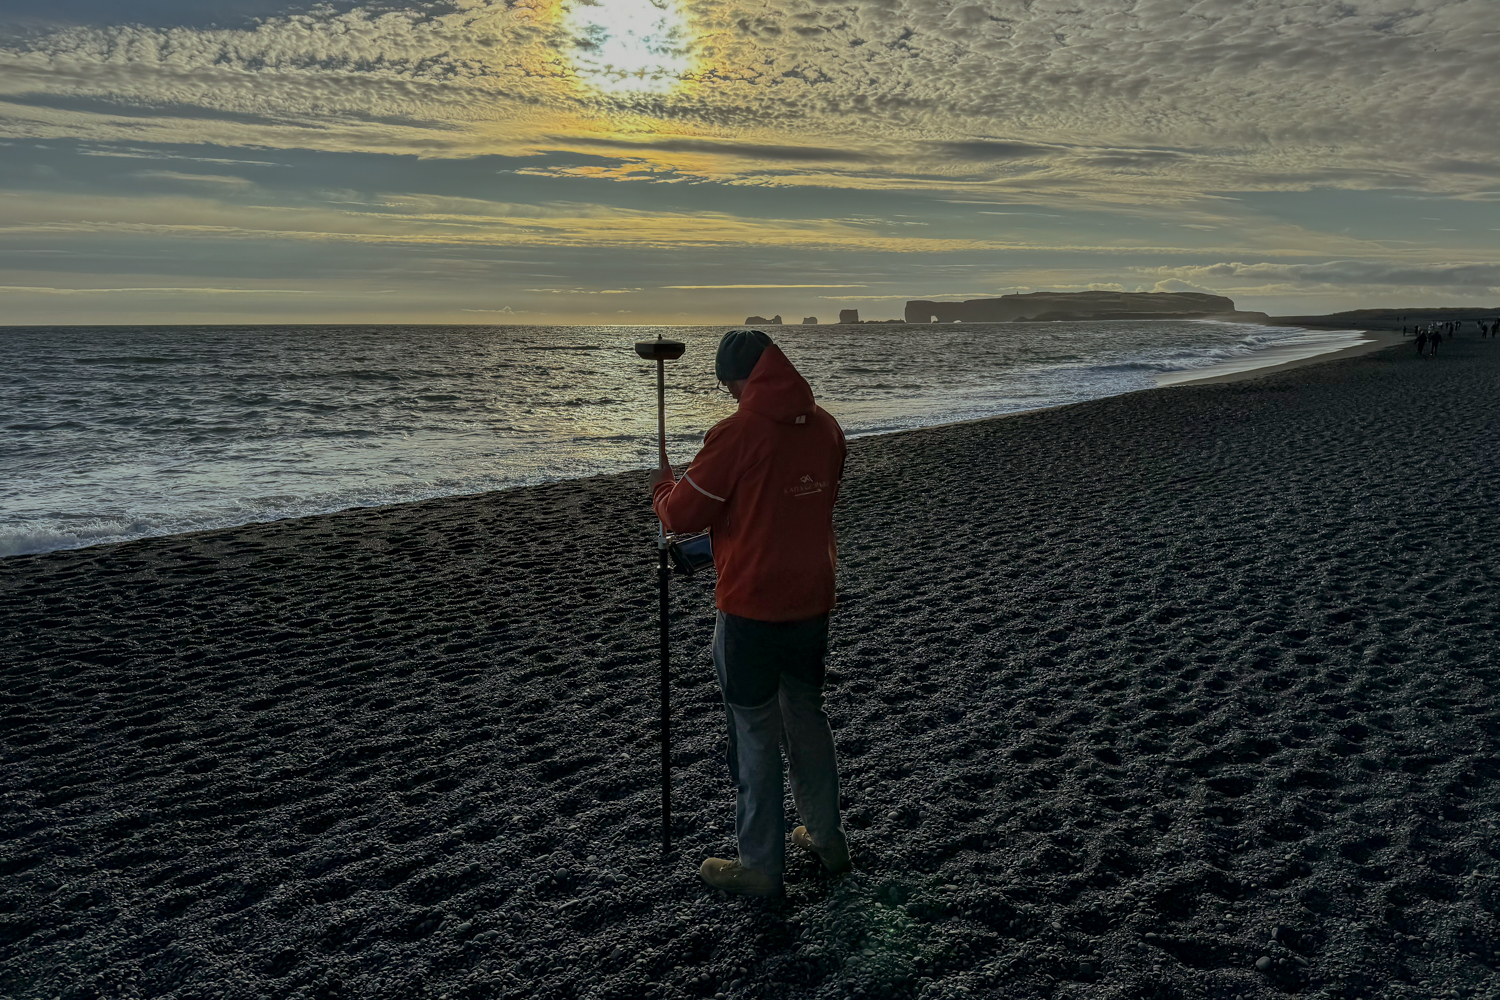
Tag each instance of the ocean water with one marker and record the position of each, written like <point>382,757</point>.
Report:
<point>115,433</point>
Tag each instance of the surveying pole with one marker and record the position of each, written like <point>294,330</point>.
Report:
<point>661,351</point>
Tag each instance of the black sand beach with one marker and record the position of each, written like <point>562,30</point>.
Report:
<point>1187,693</point>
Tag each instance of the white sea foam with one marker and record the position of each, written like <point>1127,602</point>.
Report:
<point>113,434</point>
<point>1300,346</point>
<point>55,533</point>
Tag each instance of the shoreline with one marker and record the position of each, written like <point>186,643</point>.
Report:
<point>1381,339</point>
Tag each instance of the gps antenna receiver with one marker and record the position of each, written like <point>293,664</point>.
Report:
<point>659,349</point>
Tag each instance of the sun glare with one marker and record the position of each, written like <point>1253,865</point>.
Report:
<point>630,46</point>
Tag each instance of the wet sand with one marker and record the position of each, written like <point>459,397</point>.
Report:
<point>1183,693</point>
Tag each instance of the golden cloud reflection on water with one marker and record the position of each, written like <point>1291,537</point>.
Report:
<point>630,46</point>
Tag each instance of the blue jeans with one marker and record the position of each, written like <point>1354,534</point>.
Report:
<point>771,675</point>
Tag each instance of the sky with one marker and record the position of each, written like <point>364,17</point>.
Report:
<point>699,161</point>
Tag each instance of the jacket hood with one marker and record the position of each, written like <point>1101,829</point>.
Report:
<point>777,390</point>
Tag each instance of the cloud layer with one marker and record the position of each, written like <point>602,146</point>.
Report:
<point>721,152</point>
<point>1362,276</point>
<point>1111,98</point>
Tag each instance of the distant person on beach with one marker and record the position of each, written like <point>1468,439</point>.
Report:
<point>765,483</point>
<point>1433,342</point>
<point>1421,342</point>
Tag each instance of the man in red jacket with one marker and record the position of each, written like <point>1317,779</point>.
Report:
<point>765,483</point>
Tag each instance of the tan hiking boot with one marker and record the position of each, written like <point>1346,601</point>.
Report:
<point>731,876</point>
<point>836,860</point>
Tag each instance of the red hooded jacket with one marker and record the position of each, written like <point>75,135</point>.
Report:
<point>765,482</point>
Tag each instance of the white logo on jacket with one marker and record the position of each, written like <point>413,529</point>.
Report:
<point>806,487</point>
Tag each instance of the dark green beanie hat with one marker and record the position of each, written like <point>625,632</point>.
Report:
<point>738,353</point>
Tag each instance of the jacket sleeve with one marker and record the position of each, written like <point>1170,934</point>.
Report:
<point>843,461</point>
<point>833,538</point>
<point>697,500</point>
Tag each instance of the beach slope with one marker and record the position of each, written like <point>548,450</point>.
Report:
<point>1183,693</point>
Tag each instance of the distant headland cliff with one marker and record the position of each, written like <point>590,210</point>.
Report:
<point>1042,306</point>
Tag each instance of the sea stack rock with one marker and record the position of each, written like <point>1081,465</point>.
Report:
<point>809,321</point>
<point>848,315</point>
<point>762,321</point>
<point>1040,306</point>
